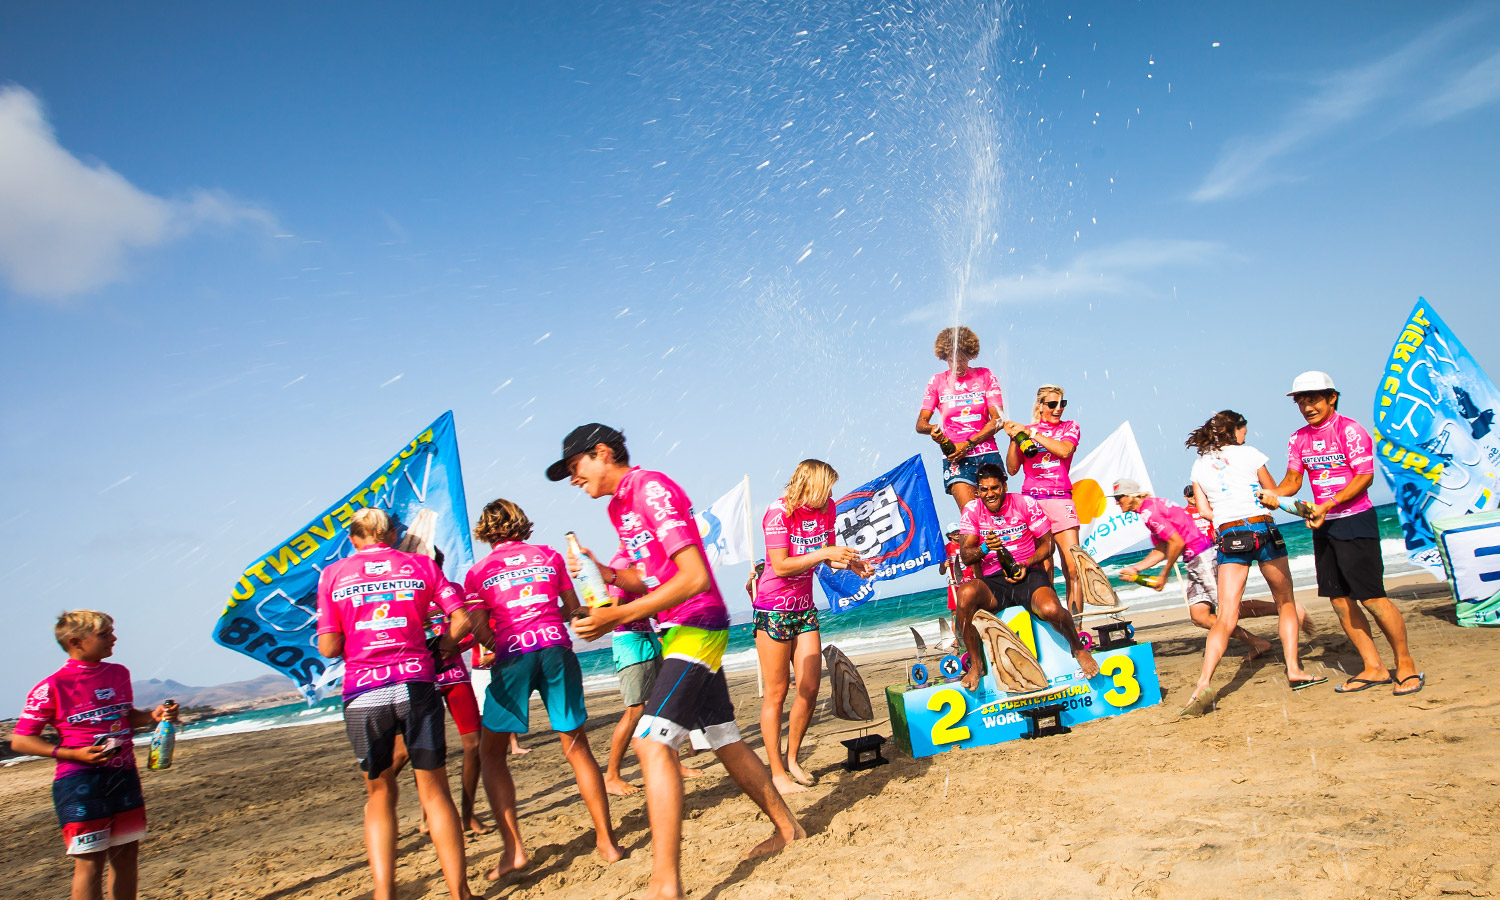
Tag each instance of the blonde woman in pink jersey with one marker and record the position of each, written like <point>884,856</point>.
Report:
<point>799,535</point>
<point>969,407</point>
<point>1047,478</point>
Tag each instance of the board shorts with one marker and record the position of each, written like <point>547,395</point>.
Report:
<point>691,692</point>
<point>463,706</point>
<point>1272,544</point>
<point>966,470</point>
<point>1061,512</point>
<point>99,808</point>
<point>637,681</point>
<point>1346,556</point>
<point>785,625</point>
<point>552,672</point>
<point>1019,593</point>
<point>412,709</point>
<point>1201,579</point>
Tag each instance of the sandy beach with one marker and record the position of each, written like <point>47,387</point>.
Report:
<point>1277,794</point>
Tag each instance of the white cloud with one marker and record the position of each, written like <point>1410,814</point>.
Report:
<point>1115,270</point>
<point>1246,164</point>
<point>67,226</point>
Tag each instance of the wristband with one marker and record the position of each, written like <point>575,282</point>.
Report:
<point>55,748</point>
<point>613,575</point>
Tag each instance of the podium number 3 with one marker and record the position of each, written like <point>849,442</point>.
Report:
<point>943,732</point>
<point>1126,690</point>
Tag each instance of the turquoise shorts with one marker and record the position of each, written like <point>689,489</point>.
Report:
<point>552,672</point>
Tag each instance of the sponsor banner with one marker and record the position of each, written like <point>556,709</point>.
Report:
<point>892,523</point>
<point>272,614</point>
<point>1107,529</point>
<point>725,527</point>
<point>1435,432</point>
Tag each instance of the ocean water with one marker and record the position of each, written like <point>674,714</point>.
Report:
<point>882,624</point>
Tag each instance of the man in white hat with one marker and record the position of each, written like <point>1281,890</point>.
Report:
<point>1338,455</point>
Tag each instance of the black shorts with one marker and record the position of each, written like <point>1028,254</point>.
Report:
<point>1346,554</point>
<point>688,696</point>
<point>412,709</point>
<point>1019,593</point>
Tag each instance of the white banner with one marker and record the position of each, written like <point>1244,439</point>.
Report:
<point>1107,529</point>
<point>725,527</point>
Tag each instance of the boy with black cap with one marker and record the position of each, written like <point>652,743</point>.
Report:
<point>668,567</point>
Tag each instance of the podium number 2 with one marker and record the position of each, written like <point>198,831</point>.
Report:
<point>1126,690</point>
<point>943,732</point>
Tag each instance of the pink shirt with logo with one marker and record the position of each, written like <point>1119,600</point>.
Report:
<point>1047,475</point>
<point>1019,523</point>
<point>1332,454</point>
<point>379,599</point>
<point>84,701</point>
<point>654,519</point>
<point>621,596</point>
<point>1165,520</point>
<point>453,671</point>
<point>520,585</point>
<point>802,532</point>
<point>961,404</point>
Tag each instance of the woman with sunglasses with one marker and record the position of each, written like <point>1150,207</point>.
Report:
<point>1227,480</point>
<point>1047,480</point>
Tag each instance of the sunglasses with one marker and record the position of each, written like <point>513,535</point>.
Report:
<point>1055,404</point>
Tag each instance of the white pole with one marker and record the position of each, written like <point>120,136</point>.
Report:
<point>760,678</point>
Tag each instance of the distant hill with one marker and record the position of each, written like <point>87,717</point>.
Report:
<point>236,693</point>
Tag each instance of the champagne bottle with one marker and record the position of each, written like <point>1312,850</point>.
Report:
<point>1143,580</point>
<point>591,588</point>
<point>163,742</point>
<point>1295,507</point>
<point>944,442</point>
<point>1027,444</point>
<point>1008,564</point>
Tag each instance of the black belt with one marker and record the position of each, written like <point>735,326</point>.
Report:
<point>1245,523</point>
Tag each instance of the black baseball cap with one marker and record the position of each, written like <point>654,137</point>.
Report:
<point>581,440</point>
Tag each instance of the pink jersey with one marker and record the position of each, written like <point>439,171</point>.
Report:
<point>1332,454</point>
<point>802,532</point>
<point>1047,475</point>
<point>88,703</point>
<point>1164,520</point>
<point>453,671</point>
<point>654,519</point>
<point>520,586</point>
<point>961,405</point>
<point>621,596</point>
<point>379,599</point>
<point>1020,522</point>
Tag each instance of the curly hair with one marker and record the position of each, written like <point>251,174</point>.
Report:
<point>966,341</point>
<point>1217,432</point>
<point>501,521</point>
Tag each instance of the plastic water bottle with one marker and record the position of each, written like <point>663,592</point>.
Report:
<point>163,742</point>
<point>592,589</point>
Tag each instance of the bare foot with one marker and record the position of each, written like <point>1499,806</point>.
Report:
<point>1258,650</point>
<point>513,864</point>
<point>1087,663</point>
<point>518,750</point>
<point>688,771</point>
<point>619,786</point>
<point>799,774</point>
<point>610,852</point>
<point>474,826</point>
<point>786,785</point>
<point>970,681</point>
<point>776,842</point>
<point>1303,622</point>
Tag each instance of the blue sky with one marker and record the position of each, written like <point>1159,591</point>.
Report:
<point>245,254</point>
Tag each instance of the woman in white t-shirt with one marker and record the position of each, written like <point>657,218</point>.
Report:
<point>1226,480</point>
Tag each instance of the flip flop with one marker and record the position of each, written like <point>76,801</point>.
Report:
<point>1307,683</point>
<point>1421,683</point>
<point>1364,685</point>
<point>1201,704</point>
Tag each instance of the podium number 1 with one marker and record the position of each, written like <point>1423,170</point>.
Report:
<point>943,732</point>
<point>1126,690</point>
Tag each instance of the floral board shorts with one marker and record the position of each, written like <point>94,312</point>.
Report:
<point>785,626</point>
